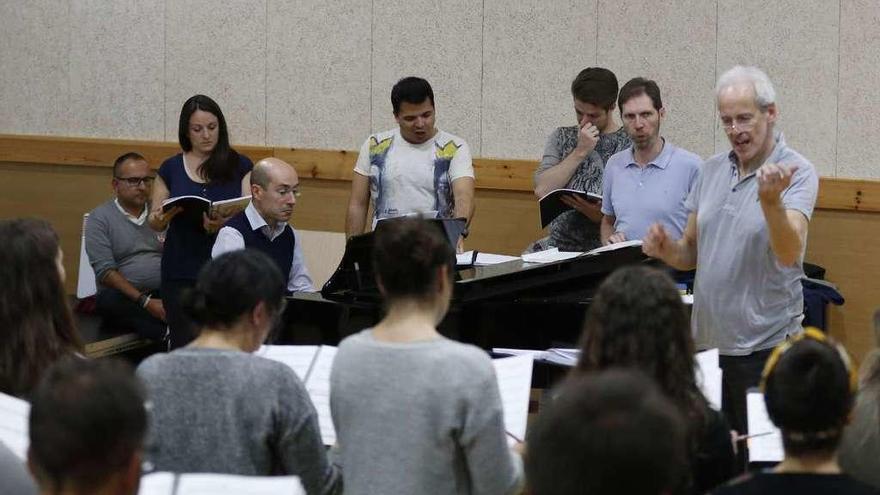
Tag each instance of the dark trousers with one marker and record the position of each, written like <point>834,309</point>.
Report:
<point>182,329</point>
<point>740,373</point>
<point>121,314</point>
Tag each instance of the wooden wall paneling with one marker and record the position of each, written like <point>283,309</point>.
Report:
<point>845,243</point>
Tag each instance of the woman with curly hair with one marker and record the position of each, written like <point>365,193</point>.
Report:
<point>36,326</point>
<point>637,320</point>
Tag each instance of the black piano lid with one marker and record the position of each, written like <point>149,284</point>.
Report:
<point>354,278</point>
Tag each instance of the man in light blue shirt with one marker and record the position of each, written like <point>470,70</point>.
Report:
<point>746,236</point>
<point>648,182</point>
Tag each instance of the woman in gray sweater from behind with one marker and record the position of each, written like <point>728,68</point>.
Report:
<point>415,412</point>
<point>218,408</point>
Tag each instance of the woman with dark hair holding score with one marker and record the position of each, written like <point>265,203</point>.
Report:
<point>36,326</point>
<point>809,388</point>
<point>415,412</point>
<point>218,408</point>
<point>207,167</point>
<point>637,320</point>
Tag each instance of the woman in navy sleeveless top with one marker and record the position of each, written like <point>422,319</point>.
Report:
<point>210,168</point>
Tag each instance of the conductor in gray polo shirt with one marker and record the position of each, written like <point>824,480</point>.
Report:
<point>746,236</point>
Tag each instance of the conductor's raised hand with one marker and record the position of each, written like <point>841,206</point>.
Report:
<point>657,243</point>
<point>773,178</point>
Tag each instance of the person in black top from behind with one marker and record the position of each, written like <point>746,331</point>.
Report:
<point>809,388</point>
<point>637,320</point>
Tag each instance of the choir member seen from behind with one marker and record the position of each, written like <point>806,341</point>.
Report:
<point>36,326</point>
<point>217,407</point>
<point>87,426</point>
<point>414,411</point>
<point>860,446</point>
<point>637,320</point>
<point>809,387</point>
<point>208,167</point>
<point>607,432</point>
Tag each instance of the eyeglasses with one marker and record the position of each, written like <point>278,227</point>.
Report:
<point>284,191</point>
<point>136,181</point>
<point>741,122</point>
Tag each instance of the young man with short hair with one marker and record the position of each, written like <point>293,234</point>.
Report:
<point>649,181</point>
<point>415,168</point>
<point>87,427</point>
<point>574,158</point>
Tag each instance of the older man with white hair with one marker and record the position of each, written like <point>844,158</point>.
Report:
<point>746,236</point>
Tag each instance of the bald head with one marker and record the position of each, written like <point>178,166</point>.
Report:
<point>274,187</point>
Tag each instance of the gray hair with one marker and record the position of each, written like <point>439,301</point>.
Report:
<point>765,95</point>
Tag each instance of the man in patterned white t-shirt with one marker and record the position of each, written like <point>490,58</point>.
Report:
<point>415,168</point>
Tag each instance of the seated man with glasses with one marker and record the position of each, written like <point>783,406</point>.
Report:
<point>746,235</point>
<point>263,224</point>
<point>126,253</point>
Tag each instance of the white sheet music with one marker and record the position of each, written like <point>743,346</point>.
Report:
<point>514,376</point>
<point>14,415</point>
<point>298,357</point>
<point>157,484</point>
<point>218,484</point>
<point>227,484</point>
<point>549,256</point>
<point>767,448</point>
<point>708,375</point>
<point>318,387</point>
<point>483,259</point>
<point>615,246</point>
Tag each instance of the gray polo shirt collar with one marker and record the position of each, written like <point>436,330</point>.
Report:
<point>775,155</point>
<point>661,161</point>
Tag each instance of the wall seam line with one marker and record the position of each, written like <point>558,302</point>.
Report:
<point>837,100</point>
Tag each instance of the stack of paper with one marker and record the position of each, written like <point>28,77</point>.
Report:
<point>555,355</point>
<point>615,246</point>
<point>765,442</point>
<point>550,255</point>
<point>218,484</point>
<point>14,415</point>
<point>482,259</point>
<point>312,364</point>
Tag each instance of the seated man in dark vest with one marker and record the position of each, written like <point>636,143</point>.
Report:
<point>263,224</point>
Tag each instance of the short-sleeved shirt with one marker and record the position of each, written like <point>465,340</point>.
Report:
<point>744,299</point>
<point>187,245</point>
<point>407,178</point>
<point>572,231</point>
<point>638,197</point>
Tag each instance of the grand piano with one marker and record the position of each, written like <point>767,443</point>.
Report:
<point>513,304</point>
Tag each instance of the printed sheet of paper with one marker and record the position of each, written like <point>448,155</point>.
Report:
<point>615,246</point>
<point>708,375</point>
<point>550,255</point>
<point>14,414</point>
<point>766,448</point>
<point>298,357</point>
<point>159,483</point>
<point>227,484</point>
<point>318,387</point>
<point>514,376</point>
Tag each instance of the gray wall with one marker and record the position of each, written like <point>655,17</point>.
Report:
<point>317,73</point>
